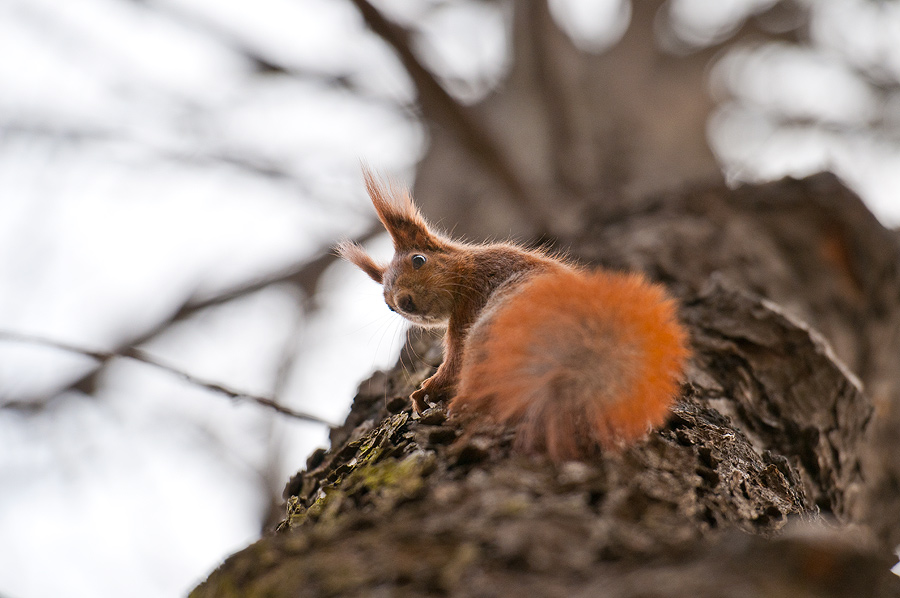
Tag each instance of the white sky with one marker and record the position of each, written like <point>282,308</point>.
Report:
<point>143,489</point>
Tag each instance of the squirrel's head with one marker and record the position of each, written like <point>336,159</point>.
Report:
<point>419,283</point>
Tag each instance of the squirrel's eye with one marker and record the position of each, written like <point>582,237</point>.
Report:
<point>418,261</point>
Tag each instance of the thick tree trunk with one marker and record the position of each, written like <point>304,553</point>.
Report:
<point>777,474</point>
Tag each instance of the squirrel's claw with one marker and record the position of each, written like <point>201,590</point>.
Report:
<point>434,390</point>
<point>418,400</point>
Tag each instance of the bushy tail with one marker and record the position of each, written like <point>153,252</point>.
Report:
<point>575,360</point>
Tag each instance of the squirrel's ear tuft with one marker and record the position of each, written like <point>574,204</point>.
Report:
<point>399,215</point>
<point>356,255</point>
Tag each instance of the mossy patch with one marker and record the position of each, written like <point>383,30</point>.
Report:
<point>320,497</point>
<point>379,485</point>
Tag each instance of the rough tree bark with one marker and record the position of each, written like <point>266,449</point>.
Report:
<point>773,476</point>
<point>778,473</point>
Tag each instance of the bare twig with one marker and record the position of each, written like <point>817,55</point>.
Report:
<point>248,163</point>
<point>143,357</point>
<point>266,62</point>
<point>438,105</point>
<point>305,276</point>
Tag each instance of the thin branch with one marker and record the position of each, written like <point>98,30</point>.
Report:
<point>305,276</point>
<point>264,62</point>
<point>444,110</point>
<point>246,163</point>
<point>142,357</point>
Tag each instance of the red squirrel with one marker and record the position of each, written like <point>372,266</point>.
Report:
<point>573,358</point>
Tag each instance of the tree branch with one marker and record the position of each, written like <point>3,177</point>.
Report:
<point>266,63</point>
<point>439,106</point>
<point>104,357</point>
<point>244,162</point>
<point>304,276</point>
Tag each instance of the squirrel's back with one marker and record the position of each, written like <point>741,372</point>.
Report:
<point>575,359</point>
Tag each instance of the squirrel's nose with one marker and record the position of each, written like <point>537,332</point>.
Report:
<point>406,303</point>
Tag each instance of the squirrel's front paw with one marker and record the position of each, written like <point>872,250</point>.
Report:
<point>434,392</point>
<point>418,400</point>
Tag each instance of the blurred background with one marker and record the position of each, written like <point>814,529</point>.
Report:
<point>173,174</point>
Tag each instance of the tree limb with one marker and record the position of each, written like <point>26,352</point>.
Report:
<point>444,111</point>
<point>304,275</point>
<point>104,357</point>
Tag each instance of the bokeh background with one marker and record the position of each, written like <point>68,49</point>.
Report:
<point>173,174</point>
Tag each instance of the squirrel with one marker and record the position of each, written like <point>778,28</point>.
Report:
<point>575,359</point>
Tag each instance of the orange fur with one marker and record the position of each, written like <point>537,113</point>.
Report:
<point>399,214</point>
<point>573,359</point>
<point>356,255</point>
<point>577,358</point>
